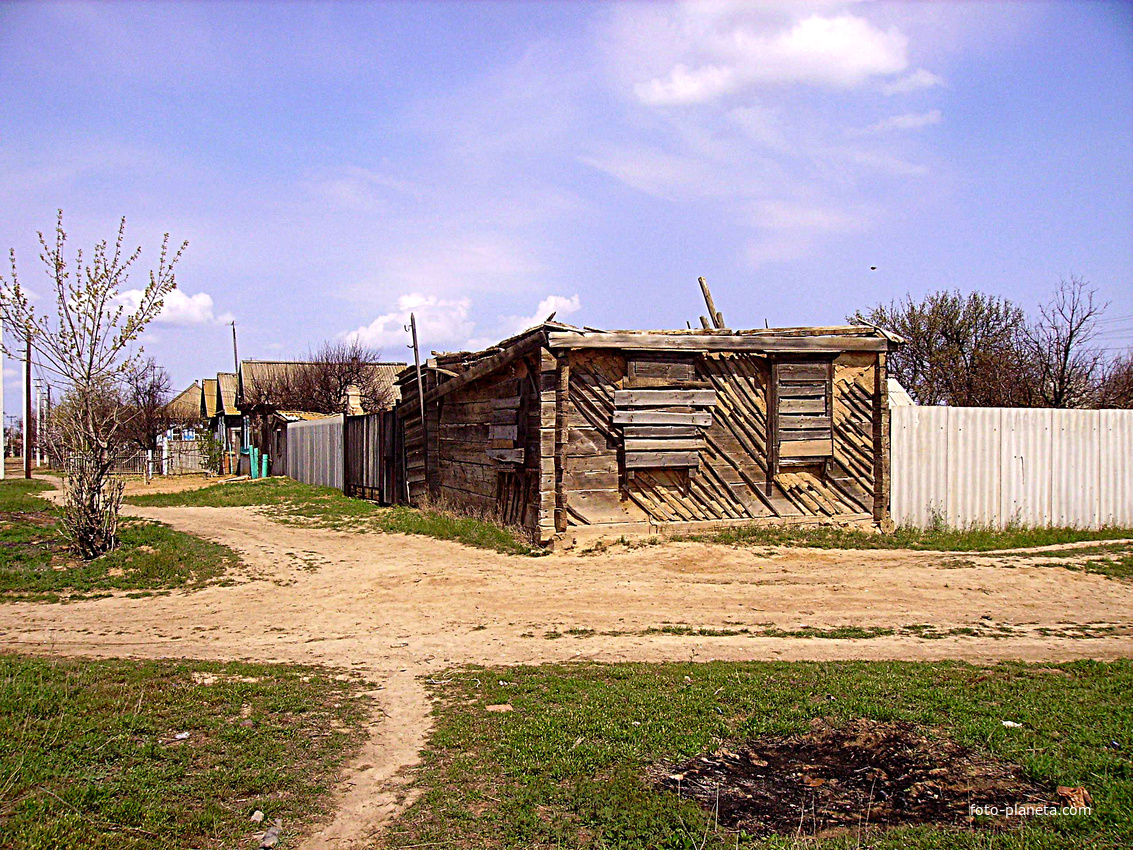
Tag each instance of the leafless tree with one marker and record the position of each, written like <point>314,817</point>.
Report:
<point>1115,387</point>
<point>1067,366</point>
<point>323,383</point>
<point>965,350</point>
<point>147,390</point>
<point>88,347</point>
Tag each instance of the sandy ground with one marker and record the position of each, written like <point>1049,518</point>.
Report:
<point>402,609</point>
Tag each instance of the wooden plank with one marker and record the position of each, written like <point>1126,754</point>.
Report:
<point>802,405</point>
<point>802,372</point>
<point>664,445</point>
<point>772,427</point>
<point>816,434</point>
<point>562,437</point>
<point>487,366</point>
<point>807,390</point>
<point>506,403</point>
<point>702,342</point>
<point>657,460</point>
<point>636,382</point>
<point>502,417</point>
<point>503,432</point>
<point>633,432</point>
<point>506,455</point>
<point>806,448</point>
<point>798,421</point>
<point>655,368</point>
<point>649,417</point>
<point>664,398</point>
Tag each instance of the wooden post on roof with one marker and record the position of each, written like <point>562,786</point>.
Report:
<point>714,315</point>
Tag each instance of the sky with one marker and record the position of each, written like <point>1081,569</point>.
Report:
<point>335,166</point>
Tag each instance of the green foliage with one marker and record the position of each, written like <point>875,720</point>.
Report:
<point>89,756</point>
<point>211,449</point>
<point>565,768</point>
<point>329,508</point>
<point>35,564</point>
<point>939,538</point>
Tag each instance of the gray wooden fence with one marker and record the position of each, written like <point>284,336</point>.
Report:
<point>996,466</point>
<point>314,451</point>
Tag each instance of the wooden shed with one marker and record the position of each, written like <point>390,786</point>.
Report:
<point>571,432</point>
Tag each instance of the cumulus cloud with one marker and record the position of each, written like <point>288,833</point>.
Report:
<point>440,321</point>
<point>842,51</point>
<point>916,81</point>
<point>560,305</point>
<point>905,121</point>
<point>180,308</point>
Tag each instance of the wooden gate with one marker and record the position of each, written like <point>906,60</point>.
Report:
<point>368,457</point>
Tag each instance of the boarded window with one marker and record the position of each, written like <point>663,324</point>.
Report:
<point>802,400</point>
<point>657,369</point>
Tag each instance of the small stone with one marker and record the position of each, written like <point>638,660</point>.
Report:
<point>257,816</point>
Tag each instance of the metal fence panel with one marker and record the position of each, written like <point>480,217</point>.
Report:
<point>997,466</point>
<point>1115,438</point>
<point>314,451</point>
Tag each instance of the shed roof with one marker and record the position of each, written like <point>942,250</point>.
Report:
<point>187,403</point>
<point>226,385</point>
<point>208,398</point>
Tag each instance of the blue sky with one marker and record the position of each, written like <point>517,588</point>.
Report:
<point>334,166</point>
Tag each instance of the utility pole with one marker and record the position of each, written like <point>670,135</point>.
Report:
<point>3,435</point>
<point>420,399</point>
<point>38,422</point>
<point>27,409</point>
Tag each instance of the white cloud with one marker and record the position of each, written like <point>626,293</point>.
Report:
<point>179,308</point>
<point>842,51</point>
<point>440,321</point>
<point>916,81</point>
<point>905,121</point>
<point>560,305</point>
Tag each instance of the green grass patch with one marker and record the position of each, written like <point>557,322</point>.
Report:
<point>90,755</point>
<point>329,508</point>
<point>20,495</point>
<point>566,767</point>
<point>941,539</point>
<point>36,565</point>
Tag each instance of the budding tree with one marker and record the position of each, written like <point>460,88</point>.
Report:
<point>87,341</point>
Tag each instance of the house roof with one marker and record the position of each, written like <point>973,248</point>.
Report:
<point>187,403</point>
<point>226,385</point>
<point>463,367</point>
<point>208,398</point>
<point>302,415</point>
<point>253,371</point>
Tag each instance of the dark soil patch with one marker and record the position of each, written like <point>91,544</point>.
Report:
<point>40,519</point>
<point>836,778</point>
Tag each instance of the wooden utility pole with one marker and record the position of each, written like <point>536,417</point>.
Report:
<point>3,436</point>
<point>420,398</point>
<point>27,409</point>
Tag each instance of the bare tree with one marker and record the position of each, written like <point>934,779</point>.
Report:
<point>324,382</point>
<point>966,350</point>
<point>1067,365</point>
<point>147,390</point>
<point>87,345</point>
<point>1115,387</point>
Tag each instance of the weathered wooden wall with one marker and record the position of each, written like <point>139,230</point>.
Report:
<point>728,480</point>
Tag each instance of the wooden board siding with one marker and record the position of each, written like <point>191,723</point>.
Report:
<point>729,483</point>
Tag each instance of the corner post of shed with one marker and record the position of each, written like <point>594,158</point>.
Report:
<point>562,397</point>
<point>881,513</point>
<point>548,445</point>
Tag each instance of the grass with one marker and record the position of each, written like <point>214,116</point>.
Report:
<point>90,756</point>
<point>564,768</point>
<point>36,566</point>
<point>940,539</point>
<point>329,508</point>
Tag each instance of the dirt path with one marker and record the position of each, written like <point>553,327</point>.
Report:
<point>401,608</point>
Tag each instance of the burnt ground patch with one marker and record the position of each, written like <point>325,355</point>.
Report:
<point>841,778</point>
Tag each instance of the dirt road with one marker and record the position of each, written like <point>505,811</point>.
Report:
<point>401,608</point>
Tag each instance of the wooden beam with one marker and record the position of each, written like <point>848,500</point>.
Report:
<point>880,441</point>
<point>816,406</point>
<point>651,417</point>
<point>506,455</point>
<point>665,432</point>
<point>772,426</point>
<point>806,448</point>
<point>715,315</point>
<point>486,366</point>
<point>657,460</point>
<point>664,398</point>
<point>562,437</point>
<point>698,342</point>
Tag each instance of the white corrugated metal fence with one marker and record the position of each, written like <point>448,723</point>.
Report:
<point>996,466</point>
<point>314,451</point>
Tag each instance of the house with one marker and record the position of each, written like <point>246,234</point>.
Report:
<point>266,386</point>
<point>571,432</point>
<point>185,410</point>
